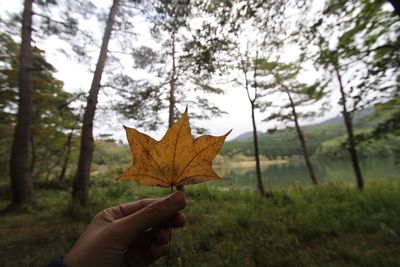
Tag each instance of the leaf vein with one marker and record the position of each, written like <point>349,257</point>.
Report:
<point>191,160</point>
<point>159,167</point>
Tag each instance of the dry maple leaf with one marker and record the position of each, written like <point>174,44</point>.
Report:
<point>177,159</point>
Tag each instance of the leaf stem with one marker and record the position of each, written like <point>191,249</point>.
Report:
<point>170,237</point>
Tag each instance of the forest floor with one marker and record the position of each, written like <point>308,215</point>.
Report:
<point>329,225</point>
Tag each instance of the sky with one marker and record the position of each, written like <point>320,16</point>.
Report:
<point>234,101</point>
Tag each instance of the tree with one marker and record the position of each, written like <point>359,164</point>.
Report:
<point>66,160</point>
<point>52,119</point>
<point>21,181</point>
<point>298,95</point>
<point>174,79</point>
<point>357,44</point>
<point>80,189</point>
<point>172,18</point>
<point>249,67</point>
<point>43,14</point>
<point>259,26</point>
<point>52,115</point>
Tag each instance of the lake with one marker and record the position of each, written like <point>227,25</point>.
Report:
<point>283,175</point>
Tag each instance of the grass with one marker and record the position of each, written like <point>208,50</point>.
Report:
<point>331,225</point>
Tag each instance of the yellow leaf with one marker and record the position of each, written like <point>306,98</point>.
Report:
<point>177,159</point>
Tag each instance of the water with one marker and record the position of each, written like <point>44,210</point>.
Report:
<point>283,175</point>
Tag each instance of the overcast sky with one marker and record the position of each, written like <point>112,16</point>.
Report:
<point>234,101</point>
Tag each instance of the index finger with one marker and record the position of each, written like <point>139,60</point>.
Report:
<point>129,208</point>
<point>156,214</point>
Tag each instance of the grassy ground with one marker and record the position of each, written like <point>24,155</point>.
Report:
<point>331,225</point>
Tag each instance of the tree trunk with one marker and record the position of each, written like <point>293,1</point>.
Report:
<point>302,140</point>
<point>55,163</point>
<point>172,84</point>
<point>21,180</point>
<point>33,154</point>
<point>67,155</point>
<point>351,145</point>
<point>396,6</point>
<point>260,184</point>
<point>80,188</point>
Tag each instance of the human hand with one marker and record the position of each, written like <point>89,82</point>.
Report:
<point>132,234</point>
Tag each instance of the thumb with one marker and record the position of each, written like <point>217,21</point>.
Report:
<point>155,214</point>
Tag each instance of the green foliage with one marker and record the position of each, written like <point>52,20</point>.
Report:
<point>334,148</point>
<point>358,41</point>
<point>108,153</point>
<point>180,70</point>
<point>52,120</point>
<point>296,94</point>
<point>332,225</point>
<point>389,113</point>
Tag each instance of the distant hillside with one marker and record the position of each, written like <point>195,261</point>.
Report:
<point>360,118</point>
<point>284,142</point>
<point>246,136</point>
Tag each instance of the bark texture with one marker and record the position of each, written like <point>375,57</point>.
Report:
<point>172,86</point>
<point>21,180</point>
<point>80,188</point>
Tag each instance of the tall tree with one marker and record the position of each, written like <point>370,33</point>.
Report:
<point>52,115</point>
<point>260,25</point>
<point>52,119</point>
<point>357,44</point>
<point>172,79</point>
<point>298,95</point>
<point>80,189</point>
<point>249,67</point>
<point>348,121</point>
<point>21,181</point>
<point>300,134</point>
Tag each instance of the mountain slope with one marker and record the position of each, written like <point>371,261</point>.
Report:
<point>285,143</point>
<point>361,118</point>
<point>246,136</point>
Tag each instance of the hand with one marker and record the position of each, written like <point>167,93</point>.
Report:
<point>132,234</point>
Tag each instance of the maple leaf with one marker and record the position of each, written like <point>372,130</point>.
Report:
<point>177,159</point>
